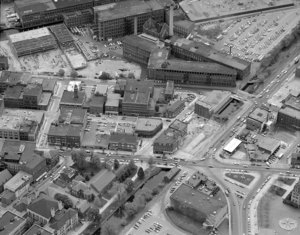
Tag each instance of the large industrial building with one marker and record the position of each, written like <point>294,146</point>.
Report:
<point>126,17</point>
<point>192,73</point>
<point>33,41</point>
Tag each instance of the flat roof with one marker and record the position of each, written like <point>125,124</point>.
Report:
<point>113,100</point>
<point>178,125</point>
<point>136,41</point>
<point>267,143</point>
<point>147,124</point>
<point>17,181</point>
<point>169,136</point>
<point>259,114</point>
<point>174,106</point>
<point>126,8</point>
<point>26,7</point>
<point>73,116</point>
<point>101,88</point>
<point>68,98</point>
<point>65,130</point>
<point>136,97</point>
<point>214,98</point>
<point>34,115</point>
<point>293,102</point>
<point>12,77</point>
<point>290,112</point>
<point>37,230</point>
<point>31,34</point>
<point>210,53</point>
<point>10,221</point>
<point>200,201</point>
<point>232,145</point>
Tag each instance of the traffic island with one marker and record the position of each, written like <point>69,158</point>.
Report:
<point>242,178</point>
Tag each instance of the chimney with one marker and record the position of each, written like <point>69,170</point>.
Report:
<point>52,212</point>
<point>60,205</point>
<point>135,23</point>
<point>75,92</point>
<point>171,13</point>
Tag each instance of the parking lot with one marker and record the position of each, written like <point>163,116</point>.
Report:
<point>251,38</point>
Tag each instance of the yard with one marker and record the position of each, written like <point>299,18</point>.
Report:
<point>245,179</point>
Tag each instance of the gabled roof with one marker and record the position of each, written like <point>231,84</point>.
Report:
<point>61,217</point>
<point>43,207</point>
<point>4,176</point>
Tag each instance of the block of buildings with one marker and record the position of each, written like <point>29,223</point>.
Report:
<point>174,109</point>
<point>195,204</point>
<point>20,125</point>
<point>257,119</point>
<point>295,160</point>
<point>198,51</point>
<point>65,135</point>
<point>4,177</point>
<point>120,85</point>
<point>295,197</point>
<point>112,104</point>
<point>12,78</point>
<point>289,114</point>
<point>137,100</point>
<point>3,63</point>
<point>122,141</point>
<point>37,230</point>
<point>103,181</point>
<point>125,17</point>
<point>170,140</point>
<point>22,156</point>
<point>34,14</point>
<point>212,103</point>
<point>33,41</point>
<point>12,224</point>
<point>51,212</point>
<point>78,18</point>
<point>148,127</point>
<point>19,184</point>
<point>169,90</point>
<point>194,73</point>
<point>72,99</point>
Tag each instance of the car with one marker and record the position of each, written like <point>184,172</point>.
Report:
<point>210,166</point>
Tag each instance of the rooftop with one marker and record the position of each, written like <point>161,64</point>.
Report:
<point>293,102</point>
<point>72,116</point>
<point>65,130</point>
<point>174,106</point>
<point>32,90</point>
<point>210,53</point>
<point>48,84</point>
<point>259,114</point>
<point>232,145</point>
<point>200,201</point>
<point>42,206</point>
<point>35,115</point>
<point>117,137</point>
<point>267,143</point>
<point>104,178</point>
<point>13,92</point>
<point>37,230</point>
<point>31,34</point>
<point>4,176</point>
<point>97,101</point>
<point>214,98</point>
<point>61,217</point>
<point>68,98</point>
<point>126,9</point>
<point>169,87</point>
<point>169,136</point>
<point>9,222</point>
<point>147,124</point>
<point>139,42</point>
<point>14,78</point>
<point>17,181</point>
<point>62,33</point>
<point>138,85</point>
<point>136,97</point>
<point>101,89</point>
<point>179,126</point>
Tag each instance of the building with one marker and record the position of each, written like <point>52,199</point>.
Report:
<point>101,90</point>
<point>122,141</point>
<point>193,73</point>
<point>112,104</point>
<point>22,156</point>
<point>12,224</point>
<point>81,190</point>
<point>126,17</point>
<point>212,103</point>
<point>196,179</point>
<point>78,18</point>
<point>33,41</point>
<point>8,197</point>
<point>267,145</point>
<point>198,51</point>
<point>37,230</point>
<point>170,140</point>
<point>183,28</point>
<point>139,48</point>
<point>257,119</point>
<point>137,100</point>
<point>103,181</point>
<point>4,177</point>
<point>72,99</point>
<point>73,116</point>
<point>148,127</point>
<point>198,206</point>
<point>289,114</point>
<point>34,14</point>
<point>156,29</point>
<point>295,197</point>
<point>232,146</point>
<point>68,174</point>
<point>47,211</point>
<point>65,135</point>
<point>10,78</point>
<point>19,184</point>
<point>171,174</point>
<point>96,104</point>
<point>62,34</point>
<point>169,90</point>
<point>4,63</point>
<point>174,109</point>
<point>295,160</point>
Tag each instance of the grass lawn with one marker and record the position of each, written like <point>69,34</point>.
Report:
<point>245,179</point>
<point>288,181</point>
<point>274,189</point>
<point>186,223</point>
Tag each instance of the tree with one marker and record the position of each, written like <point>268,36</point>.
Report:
<point>78,158</point>
<point>105,76</point>
<point>116,188</point>
<point>131,166</point>
<point>74,74</point>
<point>61,72</point>
<point>140,201</point>
<point>116,164</point>
<point>94,215</point>
<point>66,201</point>
<point>150,161</point>
<point>109,228</point>
<point>147,194</point>
<point>131,209</point>
<point>129,185</point>
<point>141,173</point>
<point>96,162</point>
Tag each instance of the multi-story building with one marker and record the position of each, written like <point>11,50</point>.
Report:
<point>45,12</point>
<point>122,141</point>
<point>289,114</point>
<point>174,109</point>
<point>72,99</point>
<point>197,205</point>
<point>96,104</point>
<point>112,104</point>
<point>295,197</point>
<point>81,190</point>
<point>257,119</point>
<point>198,51</point>
<point>19,184</point>
<point>137,100</point>
<point>37,230</point>
<point>10,78</point>
<point>170,140</point>
<point>3,63</point>
<point>65,135</point>
<point>78,18</point>
<point>148,127</point>
<point>295,160</point>
<point>12,224</point>
<point>73,116</point>
<point>193,73</point>
<point>169,90</point>
<point>126,17</point>
<point>22,156</point>
<point>31,96</point>
<point>156,29</point>
<point>183,28</point>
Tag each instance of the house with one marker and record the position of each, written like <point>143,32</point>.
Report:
<point>81,190</point>
<point>103,181</point>
<point>68,174</point>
